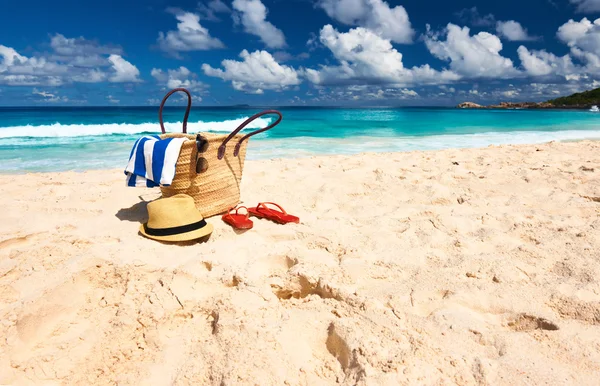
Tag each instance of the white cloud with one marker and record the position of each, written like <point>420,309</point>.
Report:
<point>73,60</point>
<point>570,32</point>
<point>48,97</point>
<point>190,36</point>
<point>124,71</point>
<point>587,5</point>
<point>19,70</point>
<point>42,93</point>
<point>257,72</point>
<point>583,38</point>
<point>364,92</point>
<point>513,31</point>
<point>510,93</point>
<point>29,80</point>
<point>376,15</point>
<point>471,56</point>
<point>9,57</point>
<point>80,46</point>
<point>80,52</point>
<point>18,64</point>
<point>252,14</point>
<point>181,77</point>
<point>542,63</point>
<point>112,100</point>
<point>90,76</point>
<point>366,58</point>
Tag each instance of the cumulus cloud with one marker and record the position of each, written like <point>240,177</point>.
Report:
<point>513,31</point>
<point>258,71</point>
<point>376,15</point>
<point>511,93</point>
<point>586,5</point>
<point>583,38</point>
<point>15,64</point>
<point>252,14</point>
<point>72,60</point>
<point>542,63</point>
<point>81,46</point>
<point>572,31</point>
<point>123,70</point>
<point>181,77</point>
<point>81,52</point>
<point>365,57</point>
<point>190,35</point>
<point>17,70</point>
<point>471,56</point>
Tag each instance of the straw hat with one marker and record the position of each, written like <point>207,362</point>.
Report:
<point>175,219</point>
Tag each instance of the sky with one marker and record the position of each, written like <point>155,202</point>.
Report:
<point>296,52</point>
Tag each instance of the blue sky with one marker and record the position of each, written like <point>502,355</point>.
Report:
<point>296,52</point>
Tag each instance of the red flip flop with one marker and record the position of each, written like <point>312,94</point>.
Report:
<point>238,221</point>
<point>281,217</point>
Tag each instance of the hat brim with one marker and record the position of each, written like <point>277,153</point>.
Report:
<point>187,236</point>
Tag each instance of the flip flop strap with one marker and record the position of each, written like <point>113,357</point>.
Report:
<point>236,211</point>
<point>240,207</point>
<point>264,205</point>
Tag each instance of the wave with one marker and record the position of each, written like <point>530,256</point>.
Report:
<point>82,130</point>
<point>60,154</point>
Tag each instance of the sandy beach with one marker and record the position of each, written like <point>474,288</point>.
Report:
<point>454,267</point>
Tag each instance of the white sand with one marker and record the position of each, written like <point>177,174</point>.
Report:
<point>406,269</point>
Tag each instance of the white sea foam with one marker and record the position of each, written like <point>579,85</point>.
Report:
<point>78,130</point>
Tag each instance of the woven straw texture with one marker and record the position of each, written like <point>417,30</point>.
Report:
<point>218,188</point>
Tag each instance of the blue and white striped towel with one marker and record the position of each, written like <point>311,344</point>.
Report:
<point>152,161</point>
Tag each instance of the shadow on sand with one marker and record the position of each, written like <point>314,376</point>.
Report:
<point>137,213</point>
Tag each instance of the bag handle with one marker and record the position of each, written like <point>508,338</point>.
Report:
<point>187,110</point>
<point>236,151</point>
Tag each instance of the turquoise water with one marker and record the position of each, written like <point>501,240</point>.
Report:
<point>59,139</point>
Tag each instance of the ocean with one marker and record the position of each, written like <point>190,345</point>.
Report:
<point>83,138</point>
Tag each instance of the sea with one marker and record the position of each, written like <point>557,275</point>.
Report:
<point>53,139</point>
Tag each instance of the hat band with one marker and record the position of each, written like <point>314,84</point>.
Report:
<point>174,230</point>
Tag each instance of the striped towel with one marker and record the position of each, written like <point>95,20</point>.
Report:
<point>152,161</point>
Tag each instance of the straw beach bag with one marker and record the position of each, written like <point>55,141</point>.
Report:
<point>208,169</point>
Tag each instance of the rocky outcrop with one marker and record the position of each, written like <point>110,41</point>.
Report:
<point>469,105</point>
<point>522,105</point>
<point>509,105</point>
<point>577,101</point>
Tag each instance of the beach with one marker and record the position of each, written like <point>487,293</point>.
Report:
<point>448,267</point>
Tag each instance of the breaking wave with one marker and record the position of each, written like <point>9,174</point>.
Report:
<point>83,130</point>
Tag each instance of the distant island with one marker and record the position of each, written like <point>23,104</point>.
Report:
<point>581,100</point>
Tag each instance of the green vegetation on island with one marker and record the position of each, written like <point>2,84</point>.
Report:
<point>581,100</point>
<point>584,99</point>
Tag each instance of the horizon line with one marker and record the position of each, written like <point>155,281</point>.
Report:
<point>230,106</point>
